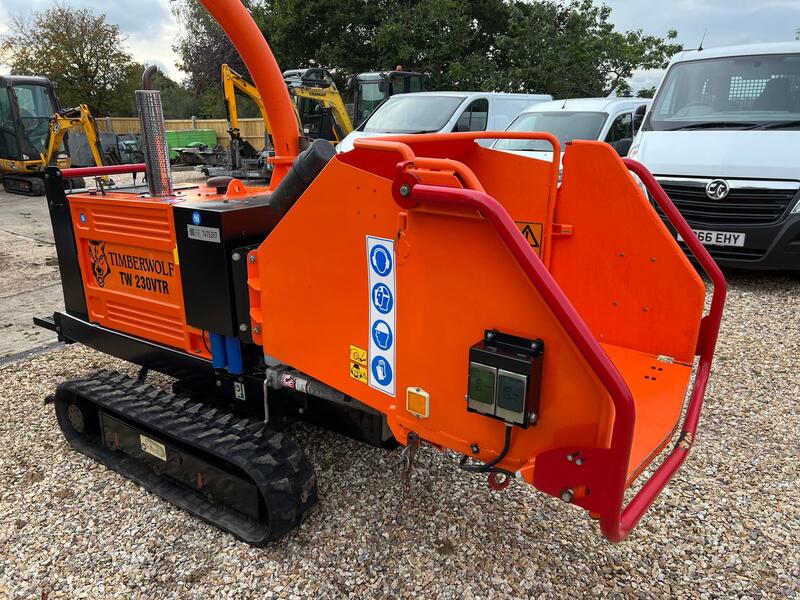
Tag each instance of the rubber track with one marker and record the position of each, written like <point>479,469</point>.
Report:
<point>274,461</point>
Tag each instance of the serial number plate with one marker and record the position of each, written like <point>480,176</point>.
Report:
<point>153,447</point>
<point>718,238</point>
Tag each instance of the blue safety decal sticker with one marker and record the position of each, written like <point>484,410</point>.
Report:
<point>382,308</point>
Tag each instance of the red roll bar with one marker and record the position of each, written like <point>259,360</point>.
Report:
<point>103,170</point>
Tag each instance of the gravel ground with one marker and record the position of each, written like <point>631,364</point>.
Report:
<point>728,525</point>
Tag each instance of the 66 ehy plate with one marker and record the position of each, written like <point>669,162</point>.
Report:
<point>718,238</point>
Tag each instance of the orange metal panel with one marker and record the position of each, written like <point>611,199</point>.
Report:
<point>129,263</point>
<point>621,268</point>
<point>454,280</point>
<point>658,389</point>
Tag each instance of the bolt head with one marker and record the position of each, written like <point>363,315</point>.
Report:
<point>242,327</point>
<point>475,448</point>
<point>567,495</point>
<point>236,256</point>
<point>252,258</point>
<point>219,383</point>
<point>405,190</point>
<point>257,329</point>
<point>579,461</point>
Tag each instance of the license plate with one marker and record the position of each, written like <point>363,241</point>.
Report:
<point>718,238</point>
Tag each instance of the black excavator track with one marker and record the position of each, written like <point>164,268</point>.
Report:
<point>24,185</point>
<point>235,473</point>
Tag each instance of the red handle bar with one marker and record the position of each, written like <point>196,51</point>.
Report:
<point>103,170</point>
<point>706,343</point>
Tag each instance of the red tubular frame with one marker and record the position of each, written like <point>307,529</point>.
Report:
<point>103,170</point>
<point>616,521</point>
<point>706,344</point>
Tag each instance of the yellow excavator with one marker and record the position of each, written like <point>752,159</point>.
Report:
<point>320,108</point>
<point>33,127</point>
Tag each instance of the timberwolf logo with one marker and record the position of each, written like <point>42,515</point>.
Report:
<point>100,266</point>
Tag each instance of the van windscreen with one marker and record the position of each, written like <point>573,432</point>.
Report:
<point>566,125</point>
<point>744,92</point>
<point>413,114</point>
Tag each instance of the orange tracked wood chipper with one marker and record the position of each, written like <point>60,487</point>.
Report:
<point>419,289</point>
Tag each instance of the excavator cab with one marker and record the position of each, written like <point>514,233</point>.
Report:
<point>26,107</point>
<point>319,106</point>
<point>33,130</point>
<point>370,89</point>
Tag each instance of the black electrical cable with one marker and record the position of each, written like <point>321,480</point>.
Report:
<point>205,343</point>
<point>489,467</point>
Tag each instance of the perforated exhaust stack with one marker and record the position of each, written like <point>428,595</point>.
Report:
<point>154,137</point>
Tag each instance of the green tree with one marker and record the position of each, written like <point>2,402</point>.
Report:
<point>203,46</point>
<point>573,50</point>
<point>78,50</point>
<point>647,92</point>
<point>564,48</point>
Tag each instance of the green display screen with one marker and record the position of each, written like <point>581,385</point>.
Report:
<point>481,383</point>
<point>511,394</point>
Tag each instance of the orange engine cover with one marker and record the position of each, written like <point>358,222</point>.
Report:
<point>129,262</point>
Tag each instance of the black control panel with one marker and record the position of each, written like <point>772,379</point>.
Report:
<point>505,377</point>
<point>208,233</point>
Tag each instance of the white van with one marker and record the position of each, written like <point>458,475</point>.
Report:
<point>437,112</point>
<point>723,138</point>
<point>612,120</point>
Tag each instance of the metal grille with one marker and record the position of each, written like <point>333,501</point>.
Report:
<point>154,142</point>
<point>744,206</point>
<point>730,252</point>
<point>745,92</point>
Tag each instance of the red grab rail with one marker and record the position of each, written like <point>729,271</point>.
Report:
<point>615,521</point>
<point>103,170</point>
<point>706,344</point>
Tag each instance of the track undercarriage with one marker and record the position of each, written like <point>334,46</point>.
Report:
<point>235,473</point>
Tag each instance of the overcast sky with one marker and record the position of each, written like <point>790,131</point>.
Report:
<point>151,29</point>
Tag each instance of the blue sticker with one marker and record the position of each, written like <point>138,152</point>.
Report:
<point>83,217</point>
<point>196,218</point>
<point>381,370</point>
<point>380,260</point>
<point>382,334</point>
<point>382,298</point>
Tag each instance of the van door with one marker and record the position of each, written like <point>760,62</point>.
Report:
<point>475,118</point>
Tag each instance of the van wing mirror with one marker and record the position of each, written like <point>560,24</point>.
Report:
<point>638,117</point>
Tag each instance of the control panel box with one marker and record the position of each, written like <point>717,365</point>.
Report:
<point>505,377</point>
<point>208,233</point>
